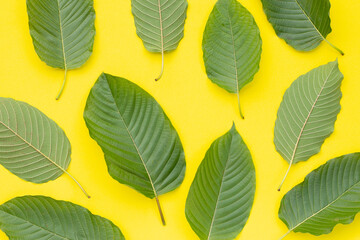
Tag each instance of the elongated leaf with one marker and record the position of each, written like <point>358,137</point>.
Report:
<point>302,24</point>
<point>32,146</point>
<point>222,193</point>
<point>307,113</point>
<point>160,24</point>
<point>231,46</point>
<point>329,195</point>
<point>40,218</point>
<point>62,32</point>
<point>142,149</point>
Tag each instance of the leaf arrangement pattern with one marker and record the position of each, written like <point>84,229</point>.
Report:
<point>142,149</point>
<point>62,31</point>
<point>328,196</point>
<point>302,24</point>
<point>232,46</point>
<point>40,218</point>
<point>222,193</point>
<point>307,113</point>
<point>160,24</point>
<point>32,146</point>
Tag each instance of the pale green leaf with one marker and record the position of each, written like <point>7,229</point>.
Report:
<point>43,218</point>
<point>62,31</point>
<point>232,46</point>
<point>142,149</point>
<point>32,146</point>
<point>328,196</point>
<point>222,193</point>
<point>303,24</point>
<point>307,113</point>
<point>160,24</point>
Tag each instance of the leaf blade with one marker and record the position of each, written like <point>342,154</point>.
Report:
<point>307,114</point>
<point>302,24</point>
<point>62,32</point>
<point>232,46</point>
<point>39,217</point>
<point>328,196</point>
<point>222,193</point>
<point>141,147</point>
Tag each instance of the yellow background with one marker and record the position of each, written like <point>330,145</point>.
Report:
<point>199,110</point>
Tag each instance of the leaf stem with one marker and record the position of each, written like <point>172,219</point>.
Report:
<point>336,48</point>
<point>282,182</point>
<point>160,211</point>
<point>285,235</point>
<point>63,85</point>
<point>82,189</point>
<point>241,114</point>
<point>162,66</point>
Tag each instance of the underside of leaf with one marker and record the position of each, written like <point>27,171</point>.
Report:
<point>307,114</point>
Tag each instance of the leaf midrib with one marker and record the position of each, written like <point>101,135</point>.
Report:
<point>133,141</point>
<point>221,184</point>
<point>308,117</point>
<point>324,208</point>
<point>62,36</point>
<point>308,17</point>
<point>234,52</point>
<point>25,220</point>
<point>161,28</point>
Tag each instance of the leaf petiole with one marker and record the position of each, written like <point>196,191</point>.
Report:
<point>63,86</point>
<point>160,211</point>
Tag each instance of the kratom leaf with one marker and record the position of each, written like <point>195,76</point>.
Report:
<point>222,193</point>
<point>40,218</point>
<point>302,24</point>
<point>160,24</point>
<point>32,146</point>
<point>231,46</point>
<point>62,31</point>
<point>307,114</point>
<point>329,195</point>
<point>141,147</point>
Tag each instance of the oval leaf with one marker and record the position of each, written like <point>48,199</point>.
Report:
<point>302,24</point>
<point>307,114</point>
<point>62,31</point>
<point>231,46</point>
<point>38,217</point>
<point>160,24</point>
<point>142,149</point>
<point>32,146</point>
<point>328,196</point>
<point>222,193</point>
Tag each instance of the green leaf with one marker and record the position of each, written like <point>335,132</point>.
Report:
<point>160,24</point>
<point>222,193</point>
<point>231,46</point>
<point>142,149</point>
<point>302,24</point>
<point>307,114</point>
<point>32,146</point>
<point>329,195</point>
<point>40,218</point>
<point>62,31</point>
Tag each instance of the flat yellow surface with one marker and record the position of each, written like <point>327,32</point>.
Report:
<point>199,110</point>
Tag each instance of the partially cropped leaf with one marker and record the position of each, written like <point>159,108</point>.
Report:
<point>62,32</point>
<point>303,24</point>
<point>160,24</point>
<point>328,196</point>
<point>32,146</point>
<point>222,193</point>
<point>307,113</point>
<point>142,149</point>
<point>231,46</point>
<point>40,218</point>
